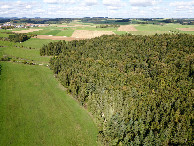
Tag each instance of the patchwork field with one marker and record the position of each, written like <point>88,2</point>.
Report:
<point>77,30</point>
<point>35,109</point>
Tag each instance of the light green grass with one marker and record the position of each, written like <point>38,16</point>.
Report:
<point>8,43</point>
<point>36,111</point>
<point>67,33</point>
<point>147,32</point>
<point>120,32</point>
<point>152,29</point>
<point>27,54</point>
<point>4,34</point>
<point>35,43</point>
<point>53,32</point>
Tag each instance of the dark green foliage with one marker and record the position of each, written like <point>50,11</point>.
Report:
<point>19,37</point>
<point>106,26</point>
<point>138,88</point>
<point>5,58</point>
<point>7,27</point>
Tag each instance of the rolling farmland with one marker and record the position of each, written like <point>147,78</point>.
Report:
<point>96,83</point>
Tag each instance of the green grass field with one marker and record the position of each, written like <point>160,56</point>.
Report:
<point>35,43</point>
<point>4,35</point>
<point>36,111</point>
<point>150,29</point>
<point>26,54</point>
<point>53,32</point>
<point>120,32</point>
<point>67,33</point>
<point>9,49</point>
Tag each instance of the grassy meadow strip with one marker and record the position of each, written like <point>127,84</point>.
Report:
<point>26,54</point>
<point>67,33</point>
<point>35,43</point>
<point>36,111</point>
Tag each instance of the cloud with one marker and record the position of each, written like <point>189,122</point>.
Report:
<point>135,8</point>
<point>90,2</point>
<point>28,6</point>
<point>5,7</point>
<point>60,1</point>
<point>50,1</point>
<point>113,4</point>
<point>19,8</point>
<point>78,8</point>
<point>182,3</point>
<point>144,3</point>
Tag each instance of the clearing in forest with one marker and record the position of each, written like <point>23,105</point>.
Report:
<point>27,31</point>
<point>86,34</point>
<point>186,29</point>
<point>127,28</point>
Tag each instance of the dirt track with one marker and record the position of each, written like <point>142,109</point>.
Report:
<point>27,31</point>
<point>186,29</point>
<point>86,34</point>
<point>127,28</point>
<point>57,37</point>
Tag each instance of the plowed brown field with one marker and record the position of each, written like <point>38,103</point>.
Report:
<point>56,37</point>
<point>127,28</point>
<point>186,29</point>
<point>86,34</point>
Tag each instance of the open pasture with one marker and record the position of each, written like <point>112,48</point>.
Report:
<point>36,111</point>
<point>34,43</point>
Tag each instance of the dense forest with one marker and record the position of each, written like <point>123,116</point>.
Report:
<point>138,88</point>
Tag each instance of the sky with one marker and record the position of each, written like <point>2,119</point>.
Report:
<point>97,8</point>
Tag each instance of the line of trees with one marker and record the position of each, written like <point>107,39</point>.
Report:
<point>19,37</point>
<point>138,88</point>
<point>7,27</point>
<point>106,26</point>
